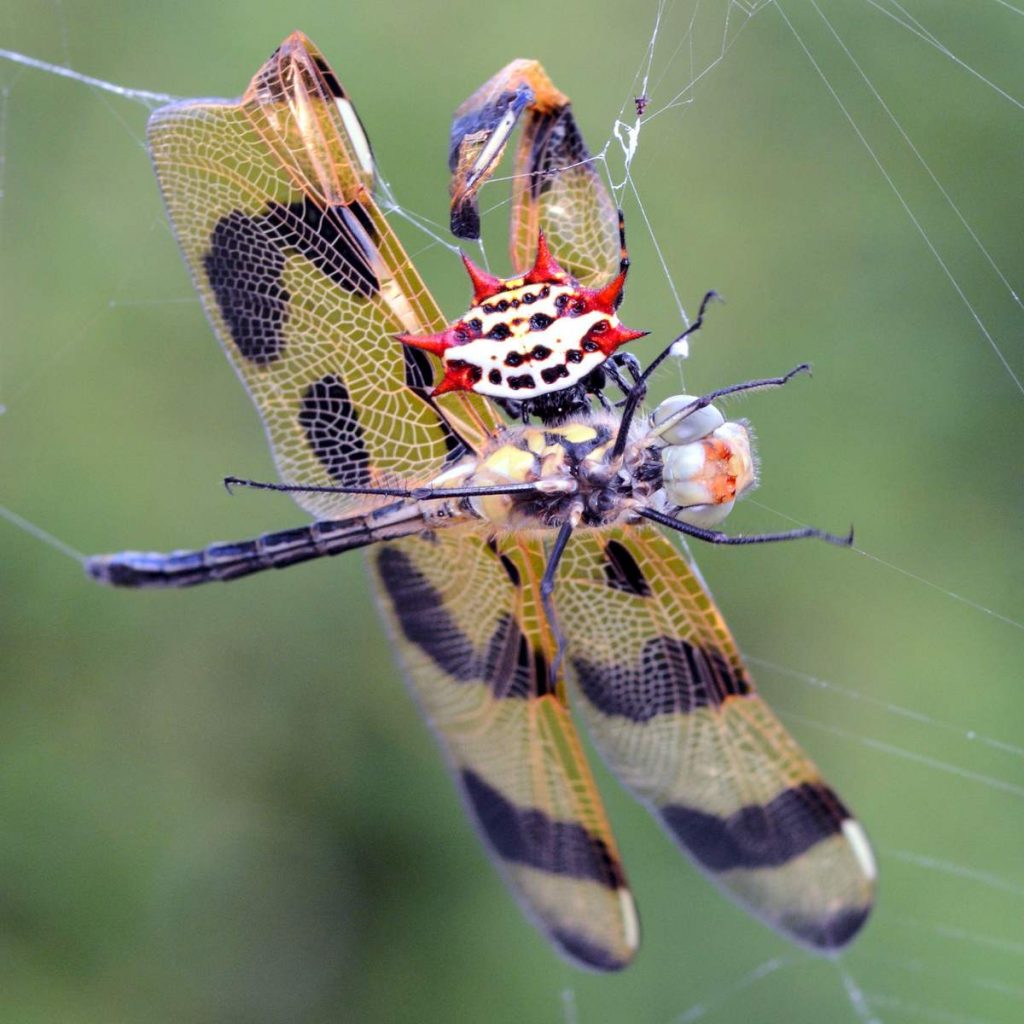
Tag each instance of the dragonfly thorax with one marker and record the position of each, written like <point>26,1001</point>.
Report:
<point>688,461</point>
<point>571,461</point>
<point>706,461</point>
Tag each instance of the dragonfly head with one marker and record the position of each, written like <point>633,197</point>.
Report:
<point>707,462</point>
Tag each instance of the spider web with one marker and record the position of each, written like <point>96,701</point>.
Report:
<point>220,804</point>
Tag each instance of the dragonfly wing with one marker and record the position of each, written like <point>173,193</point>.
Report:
<point>672,709</point>
<point>465,615</point>
<point>556,185</point>
<point>305,283</point>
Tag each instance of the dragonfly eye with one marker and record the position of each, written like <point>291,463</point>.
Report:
<point>705,516</point>
<point>686,428</point>
<point>712,471</point>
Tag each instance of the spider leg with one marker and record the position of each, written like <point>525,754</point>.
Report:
<point>639,390</point>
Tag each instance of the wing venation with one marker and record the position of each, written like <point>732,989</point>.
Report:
<point>465,615</point>
<point>306,284</point>
<point>556,184</point>
<point>673,710</point>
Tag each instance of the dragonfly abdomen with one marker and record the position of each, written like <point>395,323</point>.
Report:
<point>232,559</point>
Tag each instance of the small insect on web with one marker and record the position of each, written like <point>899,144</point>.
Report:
<point>284,237</point>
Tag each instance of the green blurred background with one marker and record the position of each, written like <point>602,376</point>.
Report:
<point>220,805</point>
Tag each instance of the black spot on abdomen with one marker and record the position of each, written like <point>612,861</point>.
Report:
<point>520,381</point>
<point>550,374</point>
<point>332,428</point>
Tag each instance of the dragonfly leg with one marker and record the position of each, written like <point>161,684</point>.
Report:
<point>547,586</point>
<point>717,537</point>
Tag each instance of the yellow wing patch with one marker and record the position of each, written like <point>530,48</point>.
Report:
<point>669,703</point>
<point>305,283</point>
<point>466,617</point>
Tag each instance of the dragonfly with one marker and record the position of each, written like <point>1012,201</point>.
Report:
<point>521,564</point>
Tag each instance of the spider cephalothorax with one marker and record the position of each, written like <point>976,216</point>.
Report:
<point>529,336</point>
